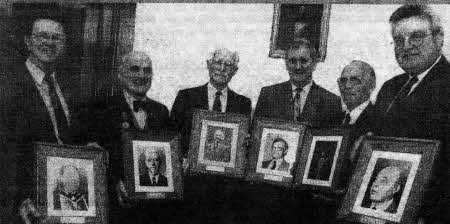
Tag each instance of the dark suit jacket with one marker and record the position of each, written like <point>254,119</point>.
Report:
<point>27,120</point>
<point>104,120</point>
<point>197,98</point>
<point>425,113</point>
<point>284,166</point>
<point>322,108</point>
<point>82,199</point>
<point>144,180</point>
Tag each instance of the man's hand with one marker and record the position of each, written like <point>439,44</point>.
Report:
<point>27,209</point>
<point>122,195</point>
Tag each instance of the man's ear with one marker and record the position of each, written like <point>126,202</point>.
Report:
<point>396,188</point>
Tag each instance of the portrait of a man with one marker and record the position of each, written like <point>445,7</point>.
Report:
<point>152,174</point>
<point>277,162</point>
<point>322,160</point>
<point>217,148</point>
<point>386,190</point>
<point>69,193</point>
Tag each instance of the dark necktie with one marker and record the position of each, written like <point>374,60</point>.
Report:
<point>297,104</point>
<point>274,165</point>
<point>217,106</point>
<point>138,104</point>
<point>154,180</point>
<point>61,121</point>
<point>407,88</point>
<point>346,120</point>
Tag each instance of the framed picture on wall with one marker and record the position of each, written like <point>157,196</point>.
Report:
<point>218,143</point>
<point>322,160</point>
<point>272,157</point>
<point>71,183</point>
<point>295,21</point>
<point>389,180</point>
<point>152,165</point>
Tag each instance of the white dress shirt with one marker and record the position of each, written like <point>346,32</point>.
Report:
<point>212,96</point>
<point>140,115</point>
<point>303,94</point>
<point>356,112</point>
<point>38,77</point>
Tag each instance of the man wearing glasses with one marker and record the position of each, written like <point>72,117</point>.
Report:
<point>416,103</point>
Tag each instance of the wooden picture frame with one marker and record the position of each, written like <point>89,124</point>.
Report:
<point>408,162</point>
<point>268,138</point>
<point>289,23</point>
<point>57,166</point>
<point>218,143</point>
<point>159,152</point>
<point>322,161</point>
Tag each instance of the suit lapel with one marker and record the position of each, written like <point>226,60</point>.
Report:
<point>231,100</point>
<point>203,97</point>
<point>287,99</point>
<point>309,109</point>
<point>126,113</point>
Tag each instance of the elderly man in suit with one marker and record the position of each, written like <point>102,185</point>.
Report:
<point>68,195</point>
<point>41,96</point>
<point>217,149</point>
<point>152,175</point>
<point>299,99</point>
<point>107,118</point>
<point>416,104</point>
<point>215,95</point>
<point>279,151</point>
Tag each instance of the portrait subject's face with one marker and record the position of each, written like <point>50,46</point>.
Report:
<point>219,135</point>
<point>136,75</point>
<point>278,150</point>
<point>153,162</point>
<point>47,41</point>
<point>70,179</point>
<point>355,85</point>
<point>416,46</point>
<point>300,65</point>
<point>221,68</point>
<point>385,185</point>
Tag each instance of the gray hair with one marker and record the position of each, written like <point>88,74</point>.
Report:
<point>421,11</point>
<point>234,55</point>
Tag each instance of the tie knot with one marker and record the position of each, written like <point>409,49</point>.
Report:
<point>138,104</point>
<point>413,79</point>
<point>219,93</point>
<point>298,89</point>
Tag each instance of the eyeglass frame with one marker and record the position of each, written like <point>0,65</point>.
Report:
<point>417,42</point>
<point>42,36</point>
<point>356,81</point>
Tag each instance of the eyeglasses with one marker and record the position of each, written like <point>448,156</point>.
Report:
<point>226,65</point>
<point>303,61</point>
<point>135,68</point>
<point>352,80</point>
<point>415,39</point>
<point>46,36</point>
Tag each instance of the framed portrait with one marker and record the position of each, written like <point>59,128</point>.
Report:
<point>71,183</point>
<point>152,165</point>
<point>272,157</point>
<point>295,21</point>
<point>322,159</point>
<point>218,143</point>
<point>389,180</point>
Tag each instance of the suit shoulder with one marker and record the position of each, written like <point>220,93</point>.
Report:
<point>276,86</point>
<point>327,94</point>
<point>190,91</point>
<point>157,104</point>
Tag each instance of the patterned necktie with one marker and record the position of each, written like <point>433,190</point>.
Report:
<point>138,104</point>
<point>297,104</point>
<point>153,180</point>
<point>346,120</point>
<point>217,106</point>
<point>60,116</point>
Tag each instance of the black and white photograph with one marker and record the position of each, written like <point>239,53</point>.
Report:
<point>80,74</point>
<point>218,141</point>
<point>70,189</point>
<point>322,158</point>
<point>386,185</point>
<point>277,152</point>
<point>152,166</point>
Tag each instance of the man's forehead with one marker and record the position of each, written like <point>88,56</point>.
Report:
<point>355,69</point>
<point>411,24</point>
<point>47,25</point>
<point>152,155</point>
<point>389,173</point>
<point>301,51</point>
<point>223,55</point>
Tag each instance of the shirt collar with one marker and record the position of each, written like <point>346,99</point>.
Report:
<point>212,90</point>
<point>382,206</point>
<point>130,99</point>
<point>37,74</point>
<point>305,88</point>
<point>356,112</point>
<point>423,74</point>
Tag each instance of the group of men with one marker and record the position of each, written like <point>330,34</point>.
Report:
<point>41,105</point>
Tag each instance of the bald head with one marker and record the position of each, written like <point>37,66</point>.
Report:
<point>356,83</point>
<point>135,73</point>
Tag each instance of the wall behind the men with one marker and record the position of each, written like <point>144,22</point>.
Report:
<point>178,37</point>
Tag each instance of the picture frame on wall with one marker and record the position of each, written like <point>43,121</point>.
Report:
<point>295,21</point>
<point>218,143</point>
<point>322,160</point>
<point>273,155</point>
<point>152,165</point>
<point>389,180</point>
<point>71,183</point>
